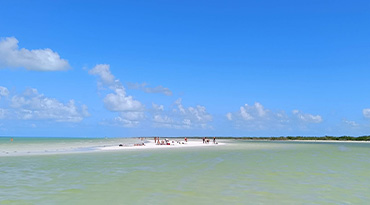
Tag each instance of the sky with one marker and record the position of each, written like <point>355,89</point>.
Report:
<point>184,68</point>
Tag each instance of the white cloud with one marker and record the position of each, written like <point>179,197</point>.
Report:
<point>133,116</point>
<point>366,112</point>
<point>120,102</point>
<point>130,119</point>
<point>2,113</point>
<point>85,111</point>
<point>157,107</point>
<point>4,91</point>
<point>143,87</point>
<point>38,59</point>
<point>229,116</point>
<point>125,122</point>
<point>307,117</point>
<point>250,112</point>
<point>350,123</point>
<point>181,117</point>
<point>131,111</point>
<point>180,106</point>
<point>244,113</point>
<point>35,106</point>
<point>162,119</point>
<point>198,113</point>
<point>103,71</point>
<point>256,117</point>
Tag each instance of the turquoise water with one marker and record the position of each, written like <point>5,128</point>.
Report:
<point>239,172</point>
<point>42,146</point>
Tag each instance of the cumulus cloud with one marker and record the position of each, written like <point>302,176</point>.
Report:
<point>143,87</point>
<point>103,71</point>
<point>133,116</point>
<point>132,113</point>
<point>350,123</point>
<point>32,105</point>
<point>11,56</point>
<point>163,119</point>
<point>257,117</point>
<point>251,112</point>
<point>157,107</point>
<point>3,91</point>
<point>130,119</point>
<point>181,117</point>
<point>118,100</point>
<point>307,117</point>
<point>366,112</point>
<point>125,122</point>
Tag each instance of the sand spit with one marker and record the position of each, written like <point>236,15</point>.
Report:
<point>149,144</point>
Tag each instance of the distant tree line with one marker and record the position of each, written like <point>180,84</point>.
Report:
<point>342,138</point>
<point>283,138</point>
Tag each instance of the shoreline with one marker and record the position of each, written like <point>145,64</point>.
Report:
<point>96,148</point>
<point>270,140</point>
<point>173,144</point>
<point>25,149</point>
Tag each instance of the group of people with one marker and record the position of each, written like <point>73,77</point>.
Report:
<point>135,145</point>
<point>206,141</point>
<point>157,141</point>
<point>166,141</point>
<point>161,142</point>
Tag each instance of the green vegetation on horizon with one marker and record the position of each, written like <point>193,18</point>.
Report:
<point>282,138</point>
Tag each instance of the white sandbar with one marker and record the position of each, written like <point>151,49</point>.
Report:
<point>174,143</point>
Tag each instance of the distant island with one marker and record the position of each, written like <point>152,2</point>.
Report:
<point>289,138</point>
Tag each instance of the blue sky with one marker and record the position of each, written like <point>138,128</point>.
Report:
<point>224,68</point>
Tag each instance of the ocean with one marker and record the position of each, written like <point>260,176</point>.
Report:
<point>77,171</point>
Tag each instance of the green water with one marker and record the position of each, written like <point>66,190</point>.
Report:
<point>240,172</point>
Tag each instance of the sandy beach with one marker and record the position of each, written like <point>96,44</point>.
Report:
<point>174,143</point>
<point>66,146</point>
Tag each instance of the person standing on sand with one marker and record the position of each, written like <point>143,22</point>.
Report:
<point>214,140</point>
<point>155,140</point>
<point>186,139</point>
<point>203,140</point>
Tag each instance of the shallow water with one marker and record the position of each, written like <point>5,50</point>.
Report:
<point>240,172</point>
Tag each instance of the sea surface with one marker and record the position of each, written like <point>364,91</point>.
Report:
<point>76,171</point>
